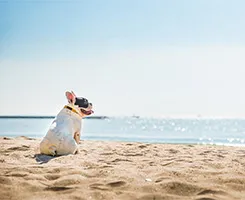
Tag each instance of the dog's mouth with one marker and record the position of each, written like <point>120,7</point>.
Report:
<point>86,112</point>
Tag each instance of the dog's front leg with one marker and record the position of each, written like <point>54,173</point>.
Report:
<point>77,139</point>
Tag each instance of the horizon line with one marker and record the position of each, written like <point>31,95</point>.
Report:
<point>197,117</point>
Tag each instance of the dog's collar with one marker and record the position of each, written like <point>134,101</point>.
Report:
<point>72,109</point>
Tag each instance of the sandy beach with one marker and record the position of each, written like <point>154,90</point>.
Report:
<point>122,170</point>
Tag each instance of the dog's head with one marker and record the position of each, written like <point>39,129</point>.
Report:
<point>84,106</point>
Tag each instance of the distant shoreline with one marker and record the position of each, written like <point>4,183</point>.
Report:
<point>43,117</point>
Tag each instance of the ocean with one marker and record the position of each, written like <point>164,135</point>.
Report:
<point>150,130</point>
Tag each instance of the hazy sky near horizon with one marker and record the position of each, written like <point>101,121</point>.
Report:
<point>143,57</point>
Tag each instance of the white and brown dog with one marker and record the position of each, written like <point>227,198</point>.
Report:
<point>63,135</point>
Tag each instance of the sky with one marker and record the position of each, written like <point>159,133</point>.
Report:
<point>152,58</point>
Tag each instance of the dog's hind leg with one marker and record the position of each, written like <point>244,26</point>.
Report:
<point>52,150</point>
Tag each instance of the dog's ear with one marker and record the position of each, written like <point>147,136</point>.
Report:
<point>71,97</point>
<point>73,94</point>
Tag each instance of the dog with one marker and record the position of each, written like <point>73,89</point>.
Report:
<point>64,133</point>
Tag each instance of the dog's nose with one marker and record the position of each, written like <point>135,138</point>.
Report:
<point>90,104</point>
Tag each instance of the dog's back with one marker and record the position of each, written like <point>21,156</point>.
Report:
<point>59,139</point>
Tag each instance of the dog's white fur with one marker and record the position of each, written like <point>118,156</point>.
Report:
<point>63,135</point>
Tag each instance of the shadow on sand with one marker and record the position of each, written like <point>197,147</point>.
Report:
<point>41,158</point>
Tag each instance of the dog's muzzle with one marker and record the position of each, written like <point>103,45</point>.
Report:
<point>87,112</point>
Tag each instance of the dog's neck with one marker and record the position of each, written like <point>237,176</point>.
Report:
<point>75,109</point>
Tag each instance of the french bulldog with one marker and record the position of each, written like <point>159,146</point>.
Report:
<point>64,133</point>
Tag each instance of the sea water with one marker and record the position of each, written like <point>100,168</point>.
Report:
<point>151,130</point>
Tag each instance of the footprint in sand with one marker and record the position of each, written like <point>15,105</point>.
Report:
<point>116,183</point>
<point>98,186</point>
<point>119,160</point>
<point>173,151</point>
<point>22,148</point>
<point>55,189</point>
<point>107,186</point>
<point>52,177</point>
<point>160,179</point>
<point>142,146</point>
<point>17,174</point>
<point>212,192</point>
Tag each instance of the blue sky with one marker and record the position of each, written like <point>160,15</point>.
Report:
<point>143,57</point>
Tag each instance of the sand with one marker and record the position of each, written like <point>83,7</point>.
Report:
<point>122,170</point>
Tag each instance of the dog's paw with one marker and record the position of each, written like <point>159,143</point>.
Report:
<point>53,151</point>
<point>76,152</point>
